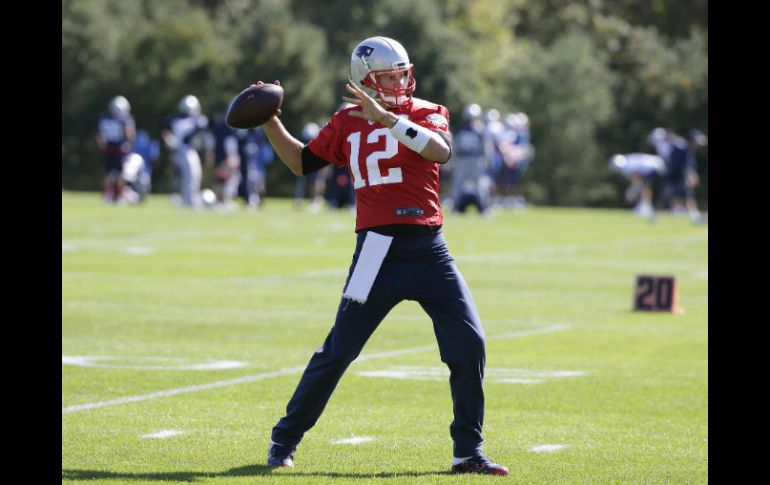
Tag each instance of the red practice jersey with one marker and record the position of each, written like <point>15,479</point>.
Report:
<point>394,184</point>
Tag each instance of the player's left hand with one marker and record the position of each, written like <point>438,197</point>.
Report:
<point>371,110</point>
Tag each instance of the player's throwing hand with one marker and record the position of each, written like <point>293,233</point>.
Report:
<point>370,109</point>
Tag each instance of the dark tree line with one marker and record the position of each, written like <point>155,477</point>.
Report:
<point>594,76</point>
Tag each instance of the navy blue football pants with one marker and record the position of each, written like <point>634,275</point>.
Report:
<point>416,268</point>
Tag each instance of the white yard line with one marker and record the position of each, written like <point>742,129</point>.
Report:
<point>166,433</point>
<point>355,440</point>
<point>492,375</point>
<point>547,448</point>
<point>286,372</point>
<point>175,363</point>
<point>182,390</point>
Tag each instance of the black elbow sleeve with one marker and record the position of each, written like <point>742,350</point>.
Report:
<point>311,162</point>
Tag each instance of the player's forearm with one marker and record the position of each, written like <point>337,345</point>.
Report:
<point>169,139</point>
<point>436,150</point>
<point>288,148</point>
<point>131,133</point>
<point>427,143</point>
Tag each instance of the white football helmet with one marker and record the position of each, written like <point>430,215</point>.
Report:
<point>119,106</point>
<point>377,55</point>
<point>472,112</point>
<point>190,105</point>
<point>618,162</point>
<point>516,121</point>
<point>697,137</point>
<point>657,135</point>
<point>491,115</point>
<point>310,131</point>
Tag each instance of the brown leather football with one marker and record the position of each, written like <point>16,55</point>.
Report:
<point>254,105</point>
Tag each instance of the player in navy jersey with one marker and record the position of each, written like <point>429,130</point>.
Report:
<point>681,175</point>
<point>470,182</point>
<point>115,138</point>
<point>315,180</point>
<point>183,134</point>
<point>227,174</point>
<point>255,154</point>
<point>392,144</point>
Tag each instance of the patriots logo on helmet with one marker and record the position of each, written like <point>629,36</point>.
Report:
<point>363,52</point>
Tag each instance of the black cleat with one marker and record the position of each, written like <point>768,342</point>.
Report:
<point>480,464</point>
<point>280,456</point>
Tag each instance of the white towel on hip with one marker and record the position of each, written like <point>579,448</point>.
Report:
<point>373,252</point>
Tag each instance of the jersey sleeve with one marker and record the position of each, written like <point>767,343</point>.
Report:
<point>327,145</point>
<point>435,119</point>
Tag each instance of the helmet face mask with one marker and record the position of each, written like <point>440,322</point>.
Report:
<point>398,95</point>
<point>376,56</point>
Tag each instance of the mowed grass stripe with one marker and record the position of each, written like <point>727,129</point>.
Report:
<point>285,372</point>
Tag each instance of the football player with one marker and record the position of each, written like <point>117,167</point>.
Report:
<point>227,174</point>
<point>115,138</point>
<point>255,154</point>
<point>184,134</point>
<point>470,182</point>
<point>641,170</point>
<point>315,180</point>
<point>392,143</point>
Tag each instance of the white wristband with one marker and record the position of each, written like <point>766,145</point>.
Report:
<point>411,134</point>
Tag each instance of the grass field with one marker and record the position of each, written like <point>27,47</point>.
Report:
<point>184,334</point>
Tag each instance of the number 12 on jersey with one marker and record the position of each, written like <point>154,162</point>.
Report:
<point>374,174</point>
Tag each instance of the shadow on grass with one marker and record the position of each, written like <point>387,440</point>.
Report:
<point>241,471</point>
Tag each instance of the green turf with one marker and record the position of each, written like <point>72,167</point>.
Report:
<point>156,285</point>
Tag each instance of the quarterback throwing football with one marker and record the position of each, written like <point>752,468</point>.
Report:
<point>392,144</point>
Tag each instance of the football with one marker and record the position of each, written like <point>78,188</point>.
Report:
<point>254,105</point>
